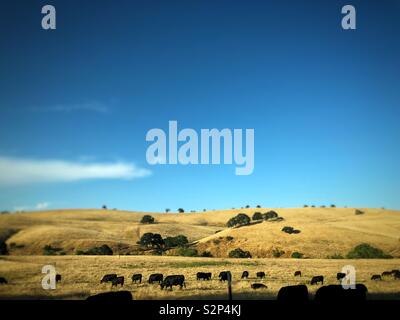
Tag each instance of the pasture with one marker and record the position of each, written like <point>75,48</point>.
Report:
<point>81,276</point>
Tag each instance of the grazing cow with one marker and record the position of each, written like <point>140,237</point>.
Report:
<point>118,280</point>
<point>3,280</point>
<point>108,277</point>
<point>175,280</point>
<point>340,275</point>
<point>317,279</point>
<point>335,293</point>
<point>297,273</point>
<point>386,273</point>
<point>203,276</point>
<point>245,275</point>
<point>397,275</point>
<point>156,277</point>
<point>395,271</point>
<point>260,275</point>
<point>376,277</point>
<point>117,296</point>
<point>137,277</point>
<point>58,277</point>
<point>223,275</point>
<point>256,286</point>
<point>293,294</point>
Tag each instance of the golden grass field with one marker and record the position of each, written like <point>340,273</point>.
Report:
<point>324,232</point>
<point>82,274</point>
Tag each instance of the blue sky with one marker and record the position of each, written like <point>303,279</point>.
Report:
<point>324,102</point>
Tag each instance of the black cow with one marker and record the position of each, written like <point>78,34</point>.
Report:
<point>175,280</point>
<point>317,279</point>
<point>340,275</point>
<point>260,275</point>
<point>108,277</point>
<point>256,286</point>
<point>294,294</point>
<point>203,276</point>
<point>376,277</point>
<point>397,275</point>
<point>3,280</point>
<point>395,271</point>
<point>245,275</point>
<point>118,280</point>
<point>156,277</point>
<point>58,277</point>
<point>334,293</point>
<point>297,273</point>
<point>386,273</point>
<point>117,296</point>
<point>223,275</point>
<point>137,277</point>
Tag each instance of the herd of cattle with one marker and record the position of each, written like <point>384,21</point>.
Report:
<point>179,280</point>
<point>288,293</point>
<point>295,293</point>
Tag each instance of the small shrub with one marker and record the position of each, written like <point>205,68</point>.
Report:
<point>239,253</point>
<point>187,252</point>
<point>178,241</point>
<point>323,206</point>
<point>305,206</point>
<point>366,251</point>
<point>290,230</point>
<point>297,255</point>
<point>103,250</point>
<point>333,206</point>
<point>247,206</point>
<point>167,210</point>
<point>257,216</point>
<point>287,229</point>
<point>147,219</point>
<point>206,254</point>
<point>180,210</point>
<point>270,215</point>
<point>258,206</point>
<point>216,241</point>
<point>241,219</point>
<point>104,207</point>
<point>276,253</point>
<point>51,251</point>
<point>313,206</point>
<point>152,240</point>
<point>358,212</point>
<point>229,238</point>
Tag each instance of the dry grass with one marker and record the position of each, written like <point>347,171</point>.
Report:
<point>324,231</point>
<point>82,274</point>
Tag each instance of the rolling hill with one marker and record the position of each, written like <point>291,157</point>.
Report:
<point>324,231</point>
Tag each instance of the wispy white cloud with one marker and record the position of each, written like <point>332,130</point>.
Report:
<point>38,207</point>
<point>92,106</point>
<point>16,171</point>
<point>42,205</point>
